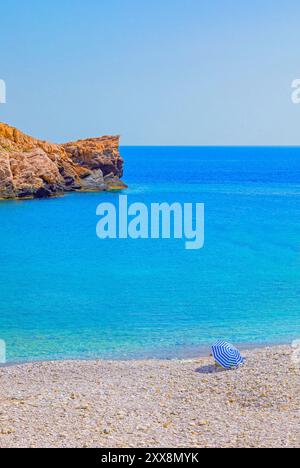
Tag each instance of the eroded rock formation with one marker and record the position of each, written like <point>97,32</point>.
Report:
<point>31,168</point>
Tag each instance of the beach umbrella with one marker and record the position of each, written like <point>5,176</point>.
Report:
<point>227,355</point>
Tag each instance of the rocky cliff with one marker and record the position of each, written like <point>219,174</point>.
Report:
<point>31,168</point>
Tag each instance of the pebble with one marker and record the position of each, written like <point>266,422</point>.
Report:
<point>176,403</point>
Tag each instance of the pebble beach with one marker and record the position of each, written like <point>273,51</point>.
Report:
<point>153,403</point>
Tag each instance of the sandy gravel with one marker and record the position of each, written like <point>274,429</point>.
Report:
<point>152,403</point>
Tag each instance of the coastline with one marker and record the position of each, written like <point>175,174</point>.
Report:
<point>186,353</point>
<point>152,403</point>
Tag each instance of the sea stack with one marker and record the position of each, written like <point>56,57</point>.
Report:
<point>31,168</point>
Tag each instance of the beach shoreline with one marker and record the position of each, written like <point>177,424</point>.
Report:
<point>187,353</point>
<point>152,403</point>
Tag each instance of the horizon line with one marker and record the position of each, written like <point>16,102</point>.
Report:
<point>210,146</point>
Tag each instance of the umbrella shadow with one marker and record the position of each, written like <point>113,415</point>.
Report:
<point>211,369</point>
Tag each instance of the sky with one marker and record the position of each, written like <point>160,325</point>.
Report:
<point>159,72</point>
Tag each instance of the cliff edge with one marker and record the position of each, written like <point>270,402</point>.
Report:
<point>31,168</point>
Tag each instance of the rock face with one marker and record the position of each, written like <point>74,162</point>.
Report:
<point>31,168</point>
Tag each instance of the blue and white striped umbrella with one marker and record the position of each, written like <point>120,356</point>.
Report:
<point>227,355</point>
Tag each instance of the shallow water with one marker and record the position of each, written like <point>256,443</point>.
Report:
<point>66,294</point>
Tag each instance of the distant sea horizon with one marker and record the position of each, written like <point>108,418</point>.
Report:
<point>65,294</point>
<point>212,146</point>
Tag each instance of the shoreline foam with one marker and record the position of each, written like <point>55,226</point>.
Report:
<point>189,353</point>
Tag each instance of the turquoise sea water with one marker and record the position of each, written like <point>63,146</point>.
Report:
<point>65,294</point>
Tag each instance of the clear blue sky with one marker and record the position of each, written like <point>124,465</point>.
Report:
<point>178,72</point>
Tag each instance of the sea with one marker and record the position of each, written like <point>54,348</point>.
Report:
<point>66,294</point>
